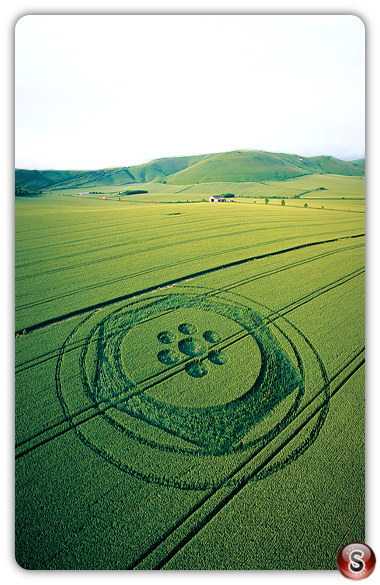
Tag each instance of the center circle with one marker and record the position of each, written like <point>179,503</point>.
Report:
<point>192,346</point>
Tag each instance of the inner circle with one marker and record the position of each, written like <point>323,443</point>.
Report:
<point>211,336</point>
<point>140,355</point>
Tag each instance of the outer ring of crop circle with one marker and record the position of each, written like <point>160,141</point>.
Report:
<point>158,479</point>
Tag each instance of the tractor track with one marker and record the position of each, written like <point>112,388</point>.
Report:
<point>168,283</point>
<point>127,252</point>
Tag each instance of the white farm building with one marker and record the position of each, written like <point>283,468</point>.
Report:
<point>216,199</point>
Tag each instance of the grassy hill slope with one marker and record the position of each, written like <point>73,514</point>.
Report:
<point>236,166</point>
<point>334,166</point>
<point>161,168</point>
<point>144,173</point>
<point>239,166</point>
<point>72,179</point>
<point>260,166</point>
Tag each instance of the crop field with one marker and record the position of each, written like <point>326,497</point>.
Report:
<point>190,376</point>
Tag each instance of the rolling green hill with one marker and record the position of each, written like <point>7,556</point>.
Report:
<point>72,179</point>
<point>236,166</point>
<point>239,166</point>
<point>144,173</point>
<point>334,166</point>
<point>259,166</point>
<point>360,164</point>
<point>161,168</point>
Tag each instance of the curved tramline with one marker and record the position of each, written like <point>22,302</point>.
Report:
<point>179,280</point>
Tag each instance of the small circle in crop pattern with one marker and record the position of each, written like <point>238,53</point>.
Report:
<point>166,337</point>
<point>211,336</point>
<point>356,561</point>
<point>187,328</point>
<point>218,357</point>
<point>196,369</point>
<point>168,357</point>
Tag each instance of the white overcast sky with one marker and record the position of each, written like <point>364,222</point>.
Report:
<point>103,91</point>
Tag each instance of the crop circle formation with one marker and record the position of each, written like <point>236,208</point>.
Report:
<point>178,444</point>
<point>191,347</point>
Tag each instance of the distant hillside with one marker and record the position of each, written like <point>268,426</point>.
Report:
<point>260,166</point>
<point>360,164</point>
<point>72,179</point>
<point>41,179</point>
<point>236,166</point>
<point>145,173</point>
<point>163,167</point>
<point>334,166</point>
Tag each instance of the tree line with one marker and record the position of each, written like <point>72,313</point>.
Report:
<point>20,191</point>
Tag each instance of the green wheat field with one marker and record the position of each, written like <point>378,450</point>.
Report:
<point>190,375</point>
